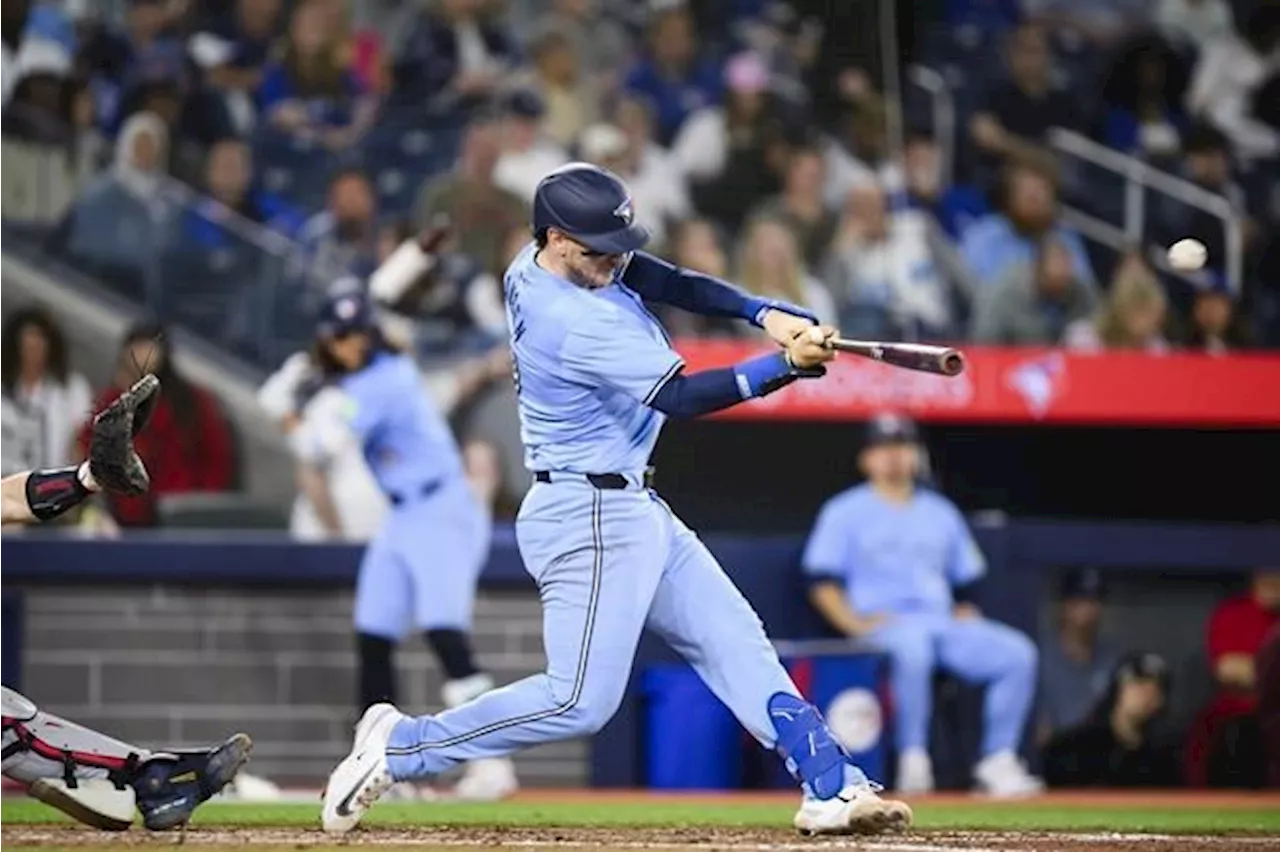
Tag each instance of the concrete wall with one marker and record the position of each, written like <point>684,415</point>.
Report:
<point>162,665</point>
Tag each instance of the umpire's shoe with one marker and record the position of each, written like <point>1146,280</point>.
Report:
<point>170,785</point>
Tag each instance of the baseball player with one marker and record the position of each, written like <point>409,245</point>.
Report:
<point>596,377</point>
<point>885,557</point>
<point>98,780</point>
<point>422,566</point>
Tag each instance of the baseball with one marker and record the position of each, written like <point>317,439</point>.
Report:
<point>1187,255</point>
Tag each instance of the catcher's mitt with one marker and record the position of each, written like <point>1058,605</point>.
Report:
<point>112,459</point>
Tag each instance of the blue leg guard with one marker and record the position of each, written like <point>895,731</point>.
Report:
<point>813,756</point>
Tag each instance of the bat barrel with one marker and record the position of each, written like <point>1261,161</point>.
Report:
<point>952,362</point>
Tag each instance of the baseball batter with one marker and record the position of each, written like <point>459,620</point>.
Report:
<point>422,566</point>
<point>93,778</point>
<point>596,377</point>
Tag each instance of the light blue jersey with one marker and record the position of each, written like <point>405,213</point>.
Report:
<point>406,441</point>
<point>894,557</point>
<point>587,363</point>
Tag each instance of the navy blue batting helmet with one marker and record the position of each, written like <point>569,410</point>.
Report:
<point>345,311</point>
<point>590,205</point>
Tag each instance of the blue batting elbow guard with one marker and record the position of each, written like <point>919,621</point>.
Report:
<point>760,307</point>
<point>767,373</point>
<point>811,752</point>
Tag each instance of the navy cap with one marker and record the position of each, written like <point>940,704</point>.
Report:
<point>1083,583</point>
<point>345,311</point>
<point>592,206</point>
<point>891,429</point>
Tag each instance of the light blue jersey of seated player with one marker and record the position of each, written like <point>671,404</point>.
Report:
<point>588,363</point>
<point>407,443</point>
<point>894,557</point>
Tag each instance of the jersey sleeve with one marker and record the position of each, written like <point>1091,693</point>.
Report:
<point>966,563</point>
<point>826,551</point>
<point>603,351</point>
<point>331,421</point>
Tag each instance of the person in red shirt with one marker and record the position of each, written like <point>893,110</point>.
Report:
<point>187,445</point>
<point>1222,747</point>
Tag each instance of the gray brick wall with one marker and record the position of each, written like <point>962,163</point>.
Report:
<point>185,667</point>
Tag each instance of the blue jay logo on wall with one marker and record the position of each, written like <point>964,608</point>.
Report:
<point>624,211</point>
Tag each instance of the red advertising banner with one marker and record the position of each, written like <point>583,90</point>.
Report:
<point>1017,385</point>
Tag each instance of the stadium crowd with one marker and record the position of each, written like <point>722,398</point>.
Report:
<point>240,156</point>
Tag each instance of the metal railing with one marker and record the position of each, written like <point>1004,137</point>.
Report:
<point>1138,177</point>
<point>943,108</point>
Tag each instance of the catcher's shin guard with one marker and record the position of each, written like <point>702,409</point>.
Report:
<point>79,771</point>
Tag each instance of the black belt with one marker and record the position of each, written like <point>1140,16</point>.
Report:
<point>425,490</point>
<point>603,481</point>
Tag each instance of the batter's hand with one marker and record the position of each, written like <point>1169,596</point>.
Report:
<point>782,326</point>
<point>807,349</point>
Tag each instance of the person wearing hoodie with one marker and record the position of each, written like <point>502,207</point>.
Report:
<point>1033,304</point>
<point>117,225</point>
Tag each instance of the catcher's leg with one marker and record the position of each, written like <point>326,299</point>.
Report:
<point>99,780</point>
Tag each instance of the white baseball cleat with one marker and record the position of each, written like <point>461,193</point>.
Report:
<point>93,801</point>
<point>362,777</point>
<point>857,809</point>
<point>487,780</point>
<point>1003,776</point>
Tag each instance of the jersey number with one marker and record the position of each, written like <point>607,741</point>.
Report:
<point>516,323</point>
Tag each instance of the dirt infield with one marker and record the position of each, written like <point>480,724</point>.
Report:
<point>467,839</point>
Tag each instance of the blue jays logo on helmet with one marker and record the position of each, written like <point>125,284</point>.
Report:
<point>345,311</point>
<point>590,205</point>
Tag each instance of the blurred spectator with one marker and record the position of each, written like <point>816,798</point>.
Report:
<point>1015,115</point>
<point>187,445</point>
<point>696,245</point>
<point>1228,74</point>
<point>730,153</point>
<point>769,265</point>
<point>1100,23</point>
<point>884,558</point>
<point>527,155</point>
<point>40,108</point>
<point>118,59</point>
<point>1118,746</point>
<point>482,212</point>
<point>310,90</point>
<point>1194,23</point>
<point>1075,665</point>
<point>881,265</point>
<point>658,191</point>
<point>1206,163</point>
<point>1224,742</point>
<point>343,238</point>
<point>455,55</point>
<point>789,43</point>
<point>163,83</point>
<point>1217,325</point>
<point>591,36</point>
<point>570,94</point>
<point>1027,197</point>
<point>859,155</point>
<point>1143,95</point>
<point>672,76</point>
<point>1033,304</point>
<point>228,183</point>
<point>954,206</point>
<point>116,223</point>
<point>233,48</point>
<point>1132,314</point>
<point>37,377</point>
<point>800,204</point>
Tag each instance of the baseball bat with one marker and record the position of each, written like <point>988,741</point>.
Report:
<point>911,356</point>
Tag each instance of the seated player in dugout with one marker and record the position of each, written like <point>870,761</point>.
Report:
<point>895,564</point>
<point>89,776</point>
